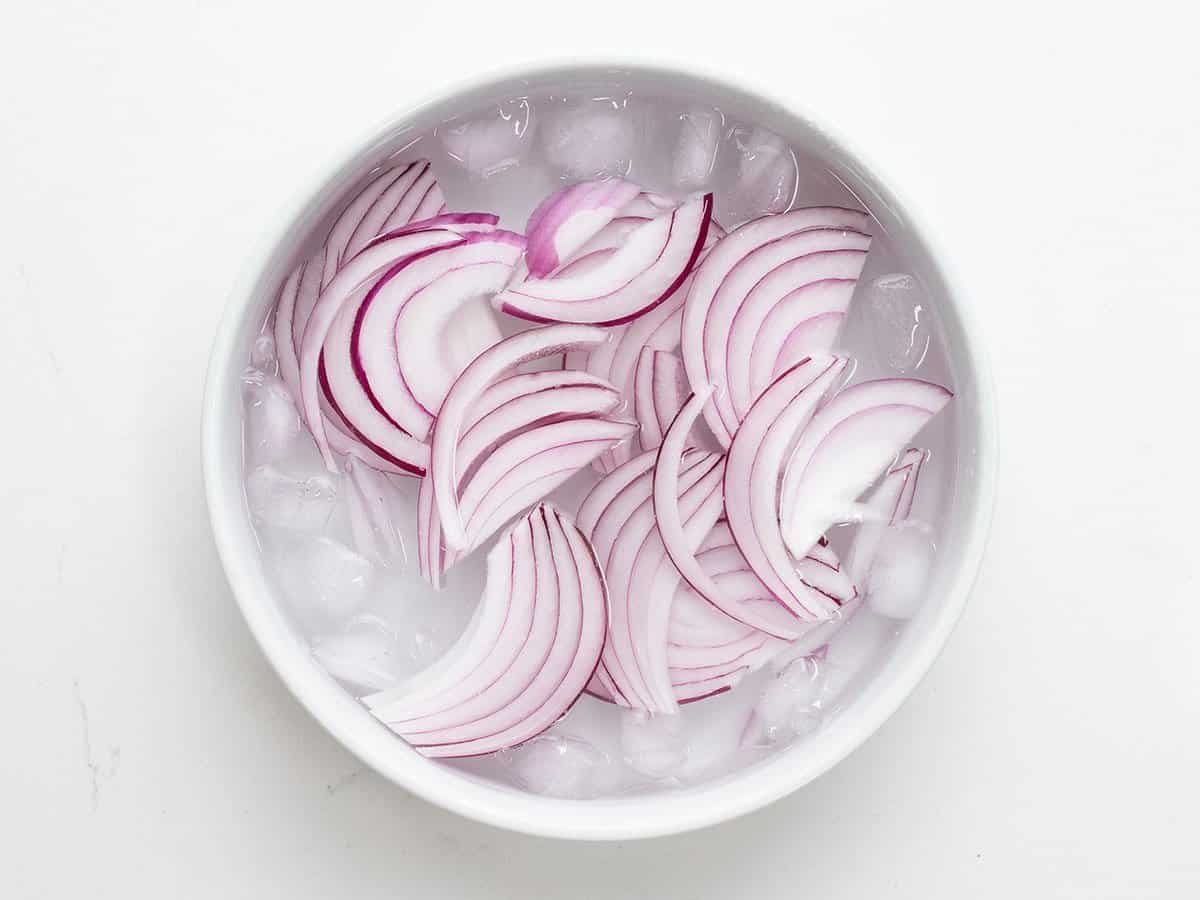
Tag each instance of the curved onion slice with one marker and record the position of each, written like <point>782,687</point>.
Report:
<point>460,223</point>
<point>486,367</point>
<point>569,218</point>
<point>756,458</point>
<point>643,272</point>
<point>395,252</point>
<point>526,657</point>
<point>352,406</point>
<point>626,542</point>
<point>396,196</point>
<point>617,359</point>
<point>815,285</point>
<point>843,448</point>
<point>403,348</point>
<point>505,409</point>
<point>892,503</point>
<point>721,283</point>
<point>522,470</point>
<point>296,300</point>
<point>659,392</point>
<point>623,499</point>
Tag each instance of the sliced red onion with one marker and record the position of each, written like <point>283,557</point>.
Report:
<point>353,277</point>
<point>659,392</point>
<point>404,351</point>
<point>714,297</point>
<point>393,198</point>
<point>619,509</point>
<point>459,223</point>
<point>353,407</point>
<point>525,468</point>
<point>756,458</point>
<point>485,368</point>
<point>891,502</point>
<point>657,329</point>
<point>812,283</point>
<point>629,541</point>
<point>504,410</point>
<point>843,449</point>
<point>646,270</point>
<point>666,502</point>
<point>526,656</point>
<point>569,218</point>
<point>296,300</point>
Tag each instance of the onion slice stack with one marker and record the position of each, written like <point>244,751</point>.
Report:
<point>708,651</point>
<point>756,460</point>
<point>524,659</point>
<point>525,436</point>
<point>774,287</point>
<point>618,518</point>
<point>567,219</point>
<point>398,195</point>
<point>464,393</point>
<point>844,447</point>
<point>644,271</point>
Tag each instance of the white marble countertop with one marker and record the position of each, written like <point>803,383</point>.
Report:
<point>150,752</point>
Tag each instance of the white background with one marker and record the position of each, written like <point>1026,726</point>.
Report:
<point>148,751</point>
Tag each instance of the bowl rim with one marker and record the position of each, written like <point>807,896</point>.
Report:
<point>604,819</point>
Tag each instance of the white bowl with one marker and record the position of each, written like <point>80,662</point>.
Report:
<point>969,509</point>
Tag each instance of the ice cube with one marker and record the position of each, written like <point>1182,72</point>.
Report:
<point>591,139</point>
<point>900,570</point>
<point>366,655</point>
<point>851,650</point>
<point>700,130</point>
<point>765,175</point>
<point>325,581</point>
<point>655,745</point>
<point>262,353</point>
<point>493,142</point>
<point>900,325</point>
<point>379,508</point>
<point>789,703</point>
<point>298,503</point>
<point>270,425</point>
<point>556,766</point>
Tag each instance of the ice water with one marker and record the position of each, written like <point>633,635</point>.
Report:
<point>354,591</point>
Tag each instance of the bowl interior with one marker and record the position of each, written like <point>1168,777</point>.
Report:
<point>963,497</point>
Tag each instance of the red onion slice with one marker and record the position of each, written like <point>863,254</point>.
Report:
<point>756,458</point>
<point>633,547</point>
<point>530,650</point>
<point>525,468</point>
<point>618,504</point>
<point>393,198</point>
<point>710,304</point>
<point>844,447</point>
<point>459,223</point>
<point>812,283</point>
<point>646,270</point>
<point>353,277</point>
<point>569,218</point>
<point>296,300</point>
<point>486,367</point>
<point>406,345</point>
<point>353,407</point>
<point>506,409</point>
<point>659,392</point>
